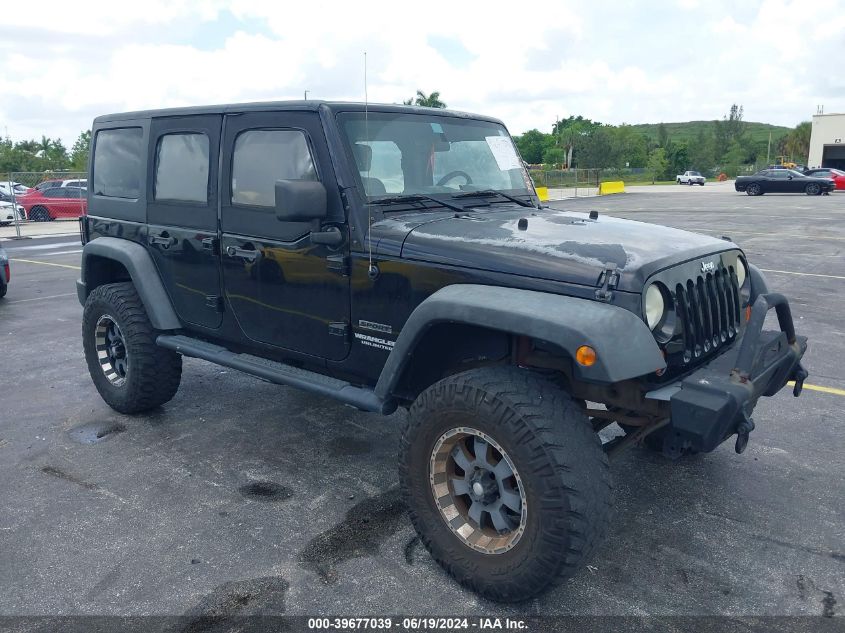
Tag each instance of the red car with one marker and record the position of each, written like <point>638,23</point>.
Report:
<point>836,175</point>
<point>56,202</point>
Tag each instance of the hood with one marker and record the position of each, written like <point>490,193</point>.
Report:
<point>555,245</point>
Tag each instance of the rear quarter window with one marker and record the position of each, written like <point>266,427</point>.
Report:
<point>118,162</point>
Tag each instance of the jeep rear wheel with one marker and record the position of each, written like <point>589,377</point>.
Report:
<point>505,481</point>
<point>130,371</point>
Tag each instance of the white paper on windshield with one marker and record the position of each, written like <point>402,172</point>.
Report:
<point>503,152</point>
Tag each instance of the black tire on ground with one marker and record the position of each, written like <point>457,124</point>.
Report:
<point>813,189</point>
<point>152,373</point>
<point>3,288</point>
<point>701,183</point>
<point>754,189</point>
<point>562,472</point>
<point>39,214</point>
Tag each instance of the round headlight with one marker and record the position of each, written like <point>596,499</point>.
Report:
<point>655,306</point>
<point>741,272</point>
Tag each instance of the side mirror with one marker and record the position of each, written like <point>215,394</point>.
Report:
<point>300,200</point>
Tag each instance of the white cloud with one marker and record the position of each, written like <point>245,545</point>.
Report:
<point>525,64</point>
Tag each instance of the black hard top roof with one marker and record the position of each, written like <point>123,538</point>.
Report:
<point>310,105</point>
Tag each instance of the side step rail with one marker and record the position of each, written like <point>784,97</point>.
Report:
<point>279,373</point>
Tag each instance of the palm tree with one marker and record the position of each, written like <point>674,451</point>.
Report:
<point>798,142</point>
<point>430,101</point>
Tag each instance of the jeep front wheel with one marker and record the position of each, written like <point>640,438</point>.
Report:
<point>506,483</point>
<point>130,371</point>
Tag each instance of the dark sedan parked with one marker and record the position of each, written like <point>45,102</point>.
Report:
<point>782,181</point>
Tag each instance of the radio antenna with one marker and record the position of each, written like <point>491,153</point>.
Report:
<point>371,271</point>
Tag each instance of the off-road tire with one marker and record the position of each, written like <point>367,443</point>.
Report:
<point>562,467</point>
<point>153,373</point>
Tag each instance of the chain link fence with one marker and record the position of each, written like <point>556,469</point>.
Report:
<point>27,197</point>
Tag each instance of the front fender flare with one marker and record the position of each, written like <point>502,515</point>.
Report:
<point>625,348</point>
<point>138,263</point>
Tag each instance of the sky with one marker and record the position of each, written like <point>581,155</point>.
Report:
<point>62,64</point>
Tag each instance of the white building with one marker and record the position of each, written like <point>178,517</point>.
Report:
<point>827,141</point>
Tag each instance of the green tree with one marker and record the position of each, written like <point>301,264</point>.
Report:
<point>554,156</point>
<point>701,152</point>
<point>532,144</point>
<point>631,146</point>
<point>797,142</point>
<point>662,136</point>
<point>678,157</point>
<point>658,164</point>
<point>79,151</point>
<point>428,101</point>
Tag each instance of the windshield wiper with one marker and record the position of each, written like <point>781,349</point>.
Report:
<point>418,197</point>
<point>486,193</point>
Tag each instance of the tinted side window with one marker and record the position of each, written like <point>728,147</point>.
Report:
<point>261,157</point>
<point>182,167</point>
<point>118,161</point>
<point>55,192</point>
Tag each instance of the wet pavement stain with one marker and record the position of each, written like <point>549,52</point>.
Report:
<point>60,474</point>
<point>828,604</point>
<point>411,548</point>
<point>265,491</point>
<point>93,432</point>
<point>232,606</point>
<point>366,525</point>
<point>348,446</point>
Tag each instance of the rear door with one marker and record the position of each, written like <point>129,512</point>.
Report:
<point>284,290</point>
<point>182,214</point>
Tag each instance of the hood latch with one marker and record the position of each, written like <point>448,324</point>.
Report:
<point>608,280</point>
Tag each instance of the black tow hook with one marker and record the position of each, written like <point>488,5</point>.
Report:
<point>800,376</point>
<point>743,430</point>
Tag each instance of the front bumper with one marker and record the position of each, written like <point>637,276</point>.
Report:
<point>716,401</point>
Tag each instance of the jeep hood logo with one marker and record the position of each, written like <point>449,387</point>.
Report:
<point>708,267</point>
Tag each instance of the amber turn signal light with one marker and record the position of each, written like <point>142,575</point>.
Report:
<point>586,356</point>
<point>747,313</point>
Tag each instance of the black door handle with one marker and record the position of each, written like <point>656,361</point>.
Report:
<point>162,239</point>
<point>248,254</point>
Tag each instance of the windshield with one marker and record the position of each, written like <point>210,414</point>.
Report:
<point>694,173</point>
<point>423,154</point>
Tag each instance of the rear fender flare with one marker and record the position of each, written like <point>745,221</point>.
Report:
<point>141,268</point>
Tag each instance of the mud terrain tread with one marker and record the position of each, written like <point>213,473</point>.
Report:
<point>566,460</point>
<point>154,372</point>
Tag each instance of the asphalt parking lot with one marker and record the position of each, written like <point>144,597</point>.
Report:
<point>242,497</point>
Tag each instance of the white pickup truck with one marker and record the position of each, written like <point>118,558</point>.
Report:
<point>690,178</point>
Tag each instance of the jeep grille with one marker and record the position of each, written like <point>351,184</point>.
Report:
<point>708,310</point>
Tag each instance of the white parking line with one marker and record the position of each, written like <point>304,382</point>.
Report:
<point>67,294</point>
<point>790,272</point>
<point>59,253</point>
<point>42,247</point>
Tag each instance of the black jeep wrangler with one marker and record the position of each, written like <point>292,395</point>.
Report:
<point>391,256</point>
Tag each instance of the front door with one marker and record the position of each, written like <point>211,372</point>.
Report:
<point>283,290</point>
<point>182,214</point>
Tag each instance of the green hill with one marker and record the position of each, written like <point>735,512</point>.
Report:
<point>688,130</point>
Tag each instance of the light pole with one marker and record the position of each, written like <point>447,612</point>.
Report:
<point>306,95</point>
